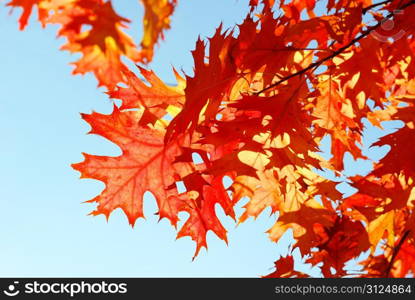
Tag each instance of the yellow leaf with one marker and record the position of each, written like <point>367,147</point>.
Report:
<point>378,227</point>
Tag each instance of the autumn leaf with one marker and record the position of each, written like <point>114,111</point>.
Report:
<point>146,164</point>
<point>105,43</point>
<point>401,159</point>
<point>27,7</point>
<point>405,260</point>
<point>156,21</point>
<point>303,221</point>
<point>284,268</point>
<point>202,217</point>
<point>382,226</point>
<point>338,244</point>
<point>157,99</point>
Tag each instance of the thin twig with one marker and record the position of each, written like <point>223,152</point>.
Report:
<point>366,9</point>
<point>335,53</point>
<point>395,252</point>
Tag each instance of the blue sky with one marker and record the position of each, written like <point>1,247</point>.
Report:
<point>44,228</point>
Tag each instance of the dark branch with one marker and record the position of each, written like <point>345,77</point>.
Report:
<point>366,9</point>
<point>335,53</point>
<point>395,252</point>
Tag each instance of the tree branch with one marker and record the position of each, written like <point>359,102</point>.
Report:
<point>395,252</point>
<point>366,9</point>
<point>335,53</point>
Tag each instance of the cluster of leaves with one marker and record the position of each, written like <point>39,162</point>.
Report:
<point>262,98</point>
<point>93,29</point>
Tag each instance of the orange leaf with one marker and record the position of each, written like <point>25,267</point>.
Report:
<point>284,268</point>
<point>156,21</point>
<point>146,164</point>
